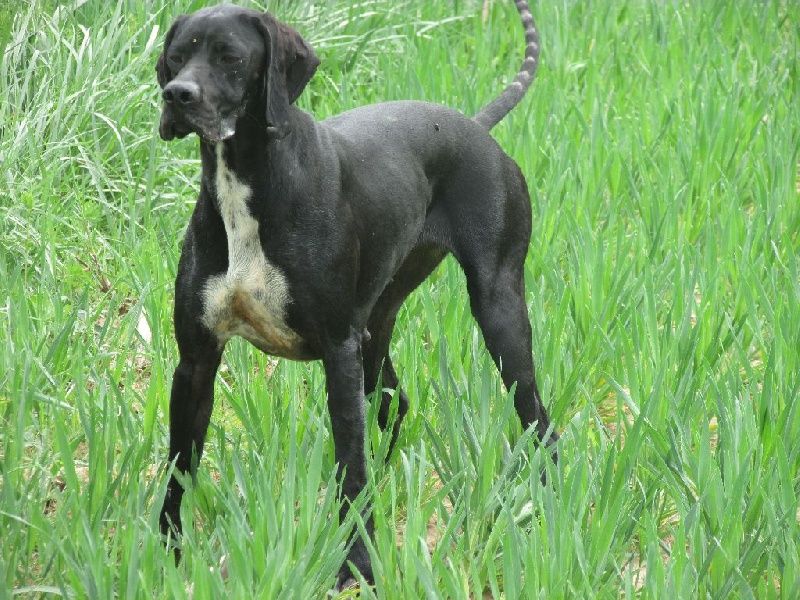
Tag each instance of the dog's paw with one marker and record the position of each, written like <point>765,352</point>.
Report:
<point>344,582</point>
<point>360,560</point>
<point>551,448</point>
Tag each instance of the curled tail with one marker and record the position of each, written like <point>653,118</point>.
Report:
<point>491,114</point>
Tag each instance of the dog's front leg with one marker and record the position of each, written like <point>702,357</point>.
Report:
<point>344,373</point>
<point>190,407</point>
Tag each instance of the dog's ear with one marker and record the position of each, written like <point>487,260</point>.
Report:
<point>291,63</point>
<point>162,70</point>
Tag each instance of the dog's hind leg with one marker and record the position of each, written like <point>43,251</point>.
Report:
<point>492,254</point>
<point>381,370</point>
<point>498,304</point>
<point>377,362</point>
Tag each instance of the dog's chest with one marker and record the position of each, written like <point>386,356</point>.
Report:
<point>250,299</point>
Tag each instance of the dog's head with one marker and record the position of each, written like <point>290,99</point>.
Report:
<point>219,63</point>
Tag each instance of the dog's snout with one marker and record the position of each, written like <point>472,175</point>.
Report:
<point>182,92</point>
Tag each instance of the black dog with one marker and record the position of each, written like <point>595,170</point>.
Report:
<point>307,236</point>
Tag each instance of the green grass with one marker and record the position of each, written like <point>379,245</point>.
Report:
<point>660,141</point>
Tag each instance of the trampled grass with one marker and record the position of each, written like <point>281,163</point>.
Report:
<point>660,141</point>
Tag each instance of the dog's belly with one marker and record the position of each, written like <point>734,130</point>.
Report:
<point>250,299</point>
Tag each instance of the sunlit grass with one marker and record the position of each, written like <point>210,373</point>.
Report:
<point>660,142</point>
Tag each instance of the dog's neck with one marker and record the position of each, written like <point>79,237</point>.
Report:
<point>254,152</point>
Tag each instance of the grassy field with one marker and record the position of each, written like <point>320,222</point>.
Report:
<point>660,141</point>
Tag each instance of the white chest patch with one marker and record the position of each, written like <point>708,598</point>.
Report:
<point>250,299</point>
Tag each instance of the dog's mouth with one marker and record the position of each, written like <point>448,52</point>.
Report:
<point>212,129</point>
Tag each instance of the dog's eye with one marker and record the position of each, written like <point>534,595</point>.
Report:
<point>175,60</point>
<point>230,59</point>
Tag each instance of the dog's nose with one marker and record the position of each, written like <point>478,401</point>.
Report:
<point>182,92</point>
